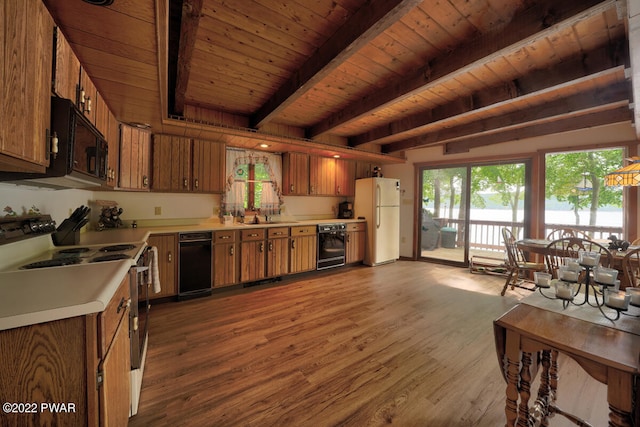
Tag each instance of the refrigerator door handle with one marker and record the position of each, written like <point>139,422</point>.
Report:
<point>378,199</point>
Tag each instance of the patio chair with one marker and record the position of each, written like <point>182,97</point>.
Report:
<point>561,233</point>
<point>631,268</point>
<point>569,247</point>
<point>519,269</point>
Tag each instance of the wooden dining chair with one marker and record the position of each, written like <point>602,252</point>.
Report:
<point>519,269</point>
<point>562,233</point>
<point>569,247</point>
<point>631,268</point>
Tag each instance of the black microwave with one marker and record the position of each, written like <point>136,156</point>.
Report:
<point>82,152</point>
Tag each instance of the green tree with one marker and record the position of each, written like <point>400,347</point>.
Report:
<point>577,178</point>
<point>506,181</point>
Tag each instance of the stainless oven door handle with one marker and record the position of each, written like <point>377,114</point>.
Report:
<point>141,269</point>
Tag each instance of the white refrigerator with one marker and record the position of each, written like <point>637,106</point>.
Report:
<point>378,201</point>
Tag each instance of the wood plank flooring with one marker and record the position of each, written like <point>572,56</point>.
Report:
<point>407,344</point>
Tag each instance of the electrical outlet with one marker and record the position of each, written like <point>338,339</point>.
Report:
<point>158,210</point>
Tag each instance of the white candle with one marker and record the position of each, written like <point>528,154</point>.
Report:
<point>616,300</point>
<point>573,265</point>
<point>589,260</point>
<point>563,292</point>
<point>569,276</point>
<point>634,294</point>
<point>544,282</point>
<point>606,278</point>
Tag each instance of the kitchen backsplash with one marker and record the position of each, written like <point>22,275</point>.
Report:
<point>151,208</point>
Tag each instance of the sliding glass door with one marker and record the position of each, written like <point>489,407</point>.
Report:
<point>465,208</point>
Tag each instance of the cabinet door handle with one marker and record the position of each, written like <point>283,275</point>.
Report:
<point>293,244</point>
<point>124,304</point>
<point>278,233</point>
<point>231,251</point>
<point>185,182</point>
<point>338,189</point>
<point>270,246</point>
<point>261,247</point>
<point>292,188</point>
<point>169,257</point>
<point>196,183</point>
<point>225,237</point>
<point>253,235</point>
<point>145,181</point>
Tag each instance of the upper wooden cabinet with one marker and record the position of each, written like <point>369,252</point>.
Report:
<point>87,96</point>
<point>113,139</point>
<point>183,164</point>
<point>135,154</point>
<point>295,174</point>
<point>322,176</point>
<point>25,85</point>
<point>209,159</point>
<point>171,163</point>
<point>345,177</point>
<point>66,69</point>
<point>331,177</point>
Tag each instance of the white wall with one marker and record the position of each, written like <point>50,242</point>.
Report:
<point>407,173</point>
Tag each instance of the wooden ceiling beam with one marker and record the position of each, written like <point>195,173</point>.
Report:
<point>366,24</point>
<point>191,13</point>
<point>573,70</point>
<point>584,119</point>
<point>595,100</point>
<point>544,19</point>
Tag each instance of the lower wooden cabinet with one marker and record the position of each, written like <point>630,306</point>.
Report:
<point>277,251</point>
<point>82,362</point>
<point>252,255</point>
<point>225,258</point>
<point>303,249</point>
<point>355,242</point>
<point>167,245</point>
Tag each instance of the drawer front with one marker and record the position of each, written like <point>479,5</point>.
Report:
<point>224,236</point>
<point>304,230</point>
<point>356,226</point>
<point>110,318</point>
<point>278,232</point>
<point>253,234</point>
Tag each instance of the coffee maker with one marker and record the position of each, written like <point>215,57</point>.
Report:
<point>345,210</point>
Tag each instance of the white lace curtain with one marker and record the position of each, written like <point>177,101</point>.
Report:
<point>236,182</point>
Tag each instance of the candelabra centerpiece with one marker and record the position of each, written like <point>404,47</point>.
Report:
<point>599,282</point>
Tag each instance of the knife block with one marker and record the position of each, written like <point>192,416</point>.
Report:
<point>65,235</point>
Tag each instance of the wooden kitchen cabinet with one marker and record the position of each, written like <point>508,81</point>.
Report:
<point>252,255</point>
<point>82,361</point>
<point>25,86</point>
<point>171,163</point>
<point>295,174</point>
<point>322,176</point>
<point>303,249</point>
<point>345,177</point>
<point>87,96</point>
<point>167,245</point>
<point>67,69</point>
<point>209,160</point>
<point>113,140</point>
<point>225,258</point>
<point>277,251</point>
<point>135,153</point>
<point>355,242</point>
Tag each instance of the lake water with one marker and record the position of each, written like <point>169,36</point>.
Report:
<point>606,218</point>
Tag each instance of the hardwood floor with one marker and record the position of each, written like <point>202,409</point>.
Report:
<point>408,344</point>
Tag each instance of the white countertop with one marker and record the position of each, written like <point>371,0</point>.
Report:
<point>213,226</point>
<point>35,296</point>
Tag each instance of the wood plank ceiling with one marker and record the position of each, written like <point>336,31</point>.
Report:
<point>370,77</point>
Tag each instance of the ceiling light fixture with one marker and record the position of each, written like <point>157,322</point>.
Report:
<point>625,176</point>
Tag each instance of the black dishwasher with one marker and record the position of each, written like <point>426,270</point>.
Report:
<point>194,265</point>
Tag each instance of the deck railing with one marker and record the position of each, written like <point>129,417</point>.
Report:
<point>487,235</point>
